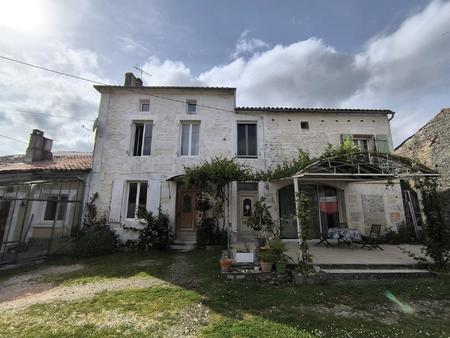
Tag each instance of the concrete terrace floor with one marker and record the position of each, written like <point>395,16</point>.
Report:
<point>343,254</point>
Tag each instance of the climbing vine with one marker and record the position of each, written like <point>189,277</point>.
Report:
<point>211,178</point>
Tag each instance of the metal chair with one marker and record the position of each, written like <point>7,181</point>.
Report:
<point>372,240</point>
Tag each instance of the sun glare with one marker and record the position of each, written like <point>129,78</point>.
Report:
<point>26,16</point>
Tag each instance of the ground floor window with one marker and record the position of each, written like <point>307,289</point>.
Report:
<point>137,197</point>
<point>55,208</point>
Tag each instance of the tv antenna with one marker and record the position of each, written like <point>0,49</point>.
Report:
<point>140,70</point>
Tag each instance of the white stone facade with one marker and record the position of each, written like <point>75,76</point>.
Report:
<point>279,136</point>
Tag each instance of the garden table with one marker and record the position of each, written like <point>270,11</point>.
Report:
<point>344,234</point>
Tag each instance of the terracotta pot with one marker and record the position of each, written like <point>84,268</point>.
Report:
<point>266,266</point>
<point>225,264</point>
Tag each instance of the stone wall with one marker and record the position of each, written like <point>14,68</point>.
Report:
<point>279,138</point>
<point>431,146</point>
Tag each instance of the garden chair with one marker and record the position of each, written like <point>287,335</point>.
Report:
<point>372,240</point>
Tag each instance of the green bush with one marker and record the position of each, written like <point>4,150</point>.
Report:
<point>156,231</point>
<point>95,241</point>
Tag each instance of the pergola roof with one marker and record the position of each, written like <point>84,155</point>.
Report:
<point>364,167</point>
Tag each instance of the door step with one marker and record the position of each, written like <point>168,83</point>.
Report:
<point>182,245</point>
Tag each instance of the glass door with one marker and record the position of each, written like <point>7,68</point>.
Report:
<point>328,206</point>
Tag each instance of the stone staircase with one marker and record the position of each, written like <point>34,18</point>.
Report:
<point>183,245</point>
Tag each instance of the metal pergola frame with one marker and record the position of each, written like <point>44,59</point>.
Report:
<point>359,167</point>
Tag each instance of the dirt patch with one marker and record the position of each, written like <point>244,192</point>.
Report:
<point>147,262</point>
<point>190,320</point>
<point>388,314</point>
<point>79,291</point>
<point>28,283</point>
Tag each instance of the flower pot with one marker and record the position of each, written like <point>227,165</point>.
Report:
<point>225,264</point>
<point>280,267</point>
<point>266,266</point>
<point>244,257</point>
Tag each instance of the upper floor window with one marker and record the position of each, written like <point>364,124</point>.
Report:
<point>55,208</point>
<point>191,106</point>
<point>190,137</point>
<point>137,198</point>
<point>144,105</point>
<point>142,139</point>
<point>304,124</point>
<point>246,140</point>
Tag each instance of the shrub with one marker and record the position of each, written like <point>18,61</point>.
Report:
<point>278,249</point>
<point>95,241</point>
<point>208,231</point>
<point>95,238</point>
<point>400,237</point>
<point>156,232</point>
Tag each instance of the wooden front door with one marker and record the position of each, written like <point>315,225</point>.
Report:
<point>186,209</point>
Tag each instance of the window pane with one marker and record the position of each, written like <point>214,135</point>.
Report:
<point>132,194</point>
<point>251,139</point>
<point>191,107</point>
<point>62,205</point>
<point>147,139</point>
<point>241,140</point>
<point>138,134</point>
<point>50,208</point>
<point>185,139</point>
<point>145,105</point>
<point>143,195</point>
<point>195,138</point>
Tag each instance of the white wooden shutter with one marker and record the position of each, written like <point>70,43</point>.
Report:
<point>115,207</point>
<point>382,143</point>
<point>153,195</point>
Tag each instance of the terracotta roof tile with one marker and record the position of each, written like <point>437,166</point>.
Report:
<point>60,163</point>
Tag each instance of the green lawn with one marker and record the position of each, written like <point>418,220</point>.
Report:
<point>179,295</point>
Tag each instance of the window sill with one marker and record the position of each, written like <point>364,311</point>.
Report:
<point>248,157</point>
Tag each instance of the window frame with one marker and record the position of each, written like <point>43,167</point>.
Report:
<point>246,139</point>
<point>190,123</point>
<point>143,102</point>
<point>191,103</point>
<point>138,192</point>
<point>304,123</point>
<point>59,203</point>
<point>134,135</point>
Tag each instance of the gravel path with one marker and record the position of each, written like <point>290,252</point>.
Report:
<point>25,289</point>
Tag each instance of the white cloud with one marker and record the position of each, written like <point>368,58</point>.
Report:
<point>28,96</point>
<point>245,46</point>
<point>168,72</point>
<point>406,71</point>
<point>129,45</point>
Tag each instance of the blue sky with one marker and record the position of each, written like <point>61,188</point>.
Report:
<point>359,53</point>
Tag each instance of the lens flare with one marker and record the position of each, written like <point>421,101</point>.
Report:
<point>403,307</point>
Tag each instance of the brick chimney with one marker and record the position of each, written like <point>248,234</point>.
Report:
<point>39,148</point>
<point>132,81</point>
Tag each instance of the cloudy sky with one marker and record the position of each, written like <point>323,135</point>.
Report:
<point>348,53</point>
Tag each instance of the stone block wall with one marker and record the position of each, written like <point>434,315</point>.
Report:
<point>431,146</point>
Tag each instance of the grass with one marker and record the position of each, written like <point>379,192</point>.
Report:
<point>195,300</point>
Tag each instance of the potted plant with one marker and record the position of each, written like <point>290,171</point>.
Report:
<point>261,221</point>
<point>265,260</point>
<point>244,255</point>
<point>225,263</point>
<point>278,250</point>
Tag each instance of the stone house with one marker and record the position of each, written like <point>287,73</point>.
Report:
<point>41,198</point>
<point>431,146</point>
<point>147,134</point>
